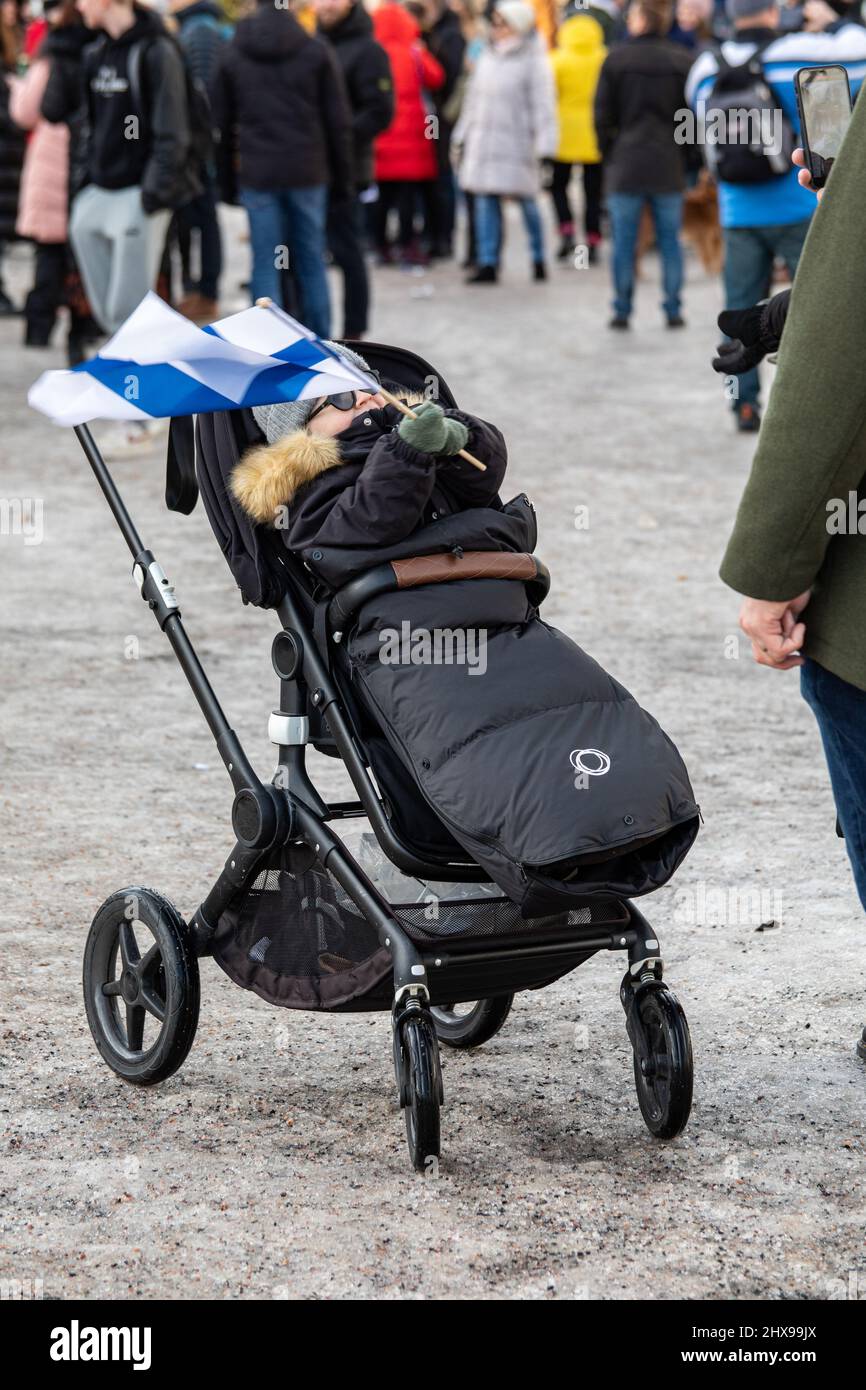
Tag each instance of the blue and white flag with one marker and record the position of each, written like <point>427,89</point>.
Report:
<point>158,364</point>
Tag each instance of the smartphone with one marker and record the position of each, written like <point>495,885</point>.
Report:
<point>824,104</point>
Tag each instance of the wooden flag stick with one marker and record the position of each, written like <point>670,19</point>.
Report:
<point>266,303</point>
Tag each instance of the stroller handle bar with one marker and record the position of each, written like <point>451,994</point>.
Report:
<point>437,569</point>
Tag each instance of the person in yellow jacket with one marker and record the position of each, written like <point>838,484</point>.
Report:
<point>576,63</point>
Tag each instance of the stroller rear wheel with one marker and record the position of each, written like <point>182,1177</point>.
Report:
<point>663,1067</point>
<point>473,1027</point>
<point>421,1092</point>
<point>141,986</point>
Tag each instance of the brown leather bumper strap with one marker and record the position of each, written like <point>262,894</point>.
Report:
<point>472,564</point>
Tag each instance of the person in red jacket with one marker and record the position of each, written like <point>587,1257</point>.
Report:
<point>405,154</point>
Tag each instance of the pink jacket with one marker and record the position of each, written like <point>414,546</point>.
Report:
<point>43,202</point>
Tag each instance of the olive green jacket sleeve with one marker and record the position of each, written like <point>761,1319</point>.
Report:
<point>812,445</point>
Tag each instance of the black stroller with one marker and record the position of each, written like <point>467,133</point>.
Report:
<point>417,929</point>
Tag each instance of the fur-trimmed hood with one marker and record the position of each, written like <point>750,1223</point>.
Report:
<point>269,476</point>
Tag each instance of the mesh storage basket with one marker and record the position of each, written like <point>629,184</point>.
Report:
<point>296,938</point>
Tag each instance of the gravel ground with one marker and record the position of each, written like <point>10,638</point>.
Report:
<point>274,1164</point>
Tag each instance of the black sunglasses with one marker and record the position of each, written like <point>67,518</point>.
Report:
<point>341,400</point>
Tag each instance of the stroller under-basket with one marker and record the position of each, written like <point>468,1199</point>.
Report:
<point>408,922</point>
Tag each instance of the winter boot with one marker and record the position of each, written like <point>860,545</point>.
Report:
<point>566,241</point>
<point>482,275</point>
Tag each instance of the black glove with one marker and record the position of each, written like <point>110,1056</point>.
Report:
<point>754,332</point>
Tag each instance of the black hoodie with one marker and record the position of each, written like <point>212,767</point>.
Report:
<point>139,75</point>
<point>279,97</point>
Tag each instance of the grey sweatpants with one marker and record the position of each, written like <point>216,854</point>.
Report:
<point>118,247</point>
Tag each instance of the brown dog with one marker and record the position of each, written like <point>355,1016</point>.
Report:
<point>700,225</point>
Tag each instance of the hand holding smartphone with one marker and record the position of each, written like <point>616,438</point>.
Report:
<point>804,178</point>
<point>824,105</point>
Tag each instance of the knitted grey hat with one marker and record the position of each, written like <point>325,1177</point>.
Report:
<point>285,417</point>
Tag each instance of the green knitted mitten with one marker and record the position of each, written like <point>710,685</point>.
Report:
<point>432,432</point>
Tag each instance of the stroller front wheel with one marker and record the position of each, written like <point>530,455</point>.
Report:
<point>141,986</point>
<point>423,1089</point>
<point>482,1020</point>
<point>663,1067</point>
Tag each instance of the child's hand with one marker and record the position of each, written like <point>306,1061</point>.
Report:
<point>432,432</point>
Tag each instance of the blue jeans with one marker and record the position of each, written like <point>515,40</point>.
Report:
<point>488,228</point>
<point>625,212</point>
<point>749,256</point>
<point>840,709</point>
<point>294,219</point>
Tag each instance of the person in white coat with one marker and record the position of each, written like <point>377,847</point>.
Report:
<point>508,124</point>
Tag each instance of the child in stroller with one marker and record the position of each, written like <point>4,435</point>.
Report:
<point>352,471</point>
<point>353,521</point>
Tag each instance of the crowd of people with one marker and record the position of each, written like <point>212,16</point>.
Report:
<point>348,131</point>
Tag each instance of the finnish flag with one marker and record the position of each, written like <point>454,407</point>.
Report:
<point>159,365</point>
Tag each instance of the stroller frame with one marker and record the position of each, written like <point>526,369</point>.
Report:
<point>289,809</point>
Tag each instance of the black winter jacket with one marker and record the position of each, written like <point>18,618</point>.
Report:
<point>280,109</point>
<point>367,74</point>
<point>446,42</point>
<point>63,98</point>
<point>640,89</point>
<point>367,488</point>
<point>65,47</point>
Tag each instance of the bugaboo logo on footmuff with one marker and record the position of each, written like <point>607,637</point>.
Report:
<point>598,769</point>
